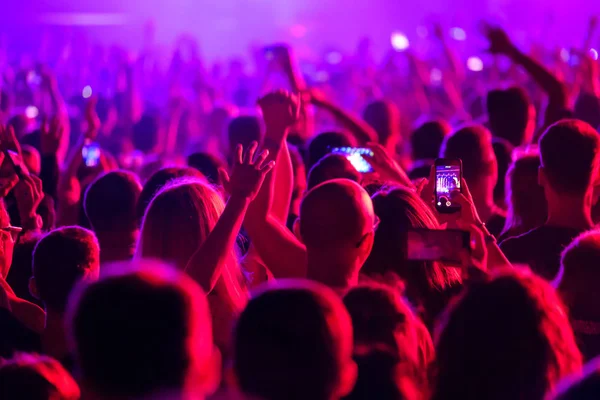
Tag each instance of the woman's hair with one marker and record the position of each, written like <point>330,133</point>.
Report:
<point>384,324</point>
<point>178,220</point>
<point>399,210</point>
<point>508,338</point>
<point>527,208</point>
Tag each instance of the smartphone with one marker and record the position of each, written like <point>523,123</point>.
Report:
<point>448,246</point>
<point>355,156</point>
<point>91,154</point>
<point>448,175</point>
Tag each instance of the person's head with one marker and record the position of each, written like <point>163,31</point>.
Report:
<point>506,338</point>
<point>587,108</point>
<point>503,151</point>
<point>110,202</point>
<point>294,341</point>
<point>381,319</point>
<point>384,118</point>
<point>584,387</point>
<point>511,115</point>
<point>157,181</point>
<point>322,144</point>
<point>400,209</point>
<point>473,145</point>
<point>580,276</point>
<point>8,237</point>
<point>143,332</point>
<point>178,220</point>
<point>569,154</point>
<point>527,208</point>
<point>146,133</point>
<point>332,166</point>
<point>336,224</point>
<point>33,377</point>
<point>32,159</point>
<point>61,259</point>
<point>208,165</point>
<point>243,130</point>
<point>20,125</point>
<point>427,139</point>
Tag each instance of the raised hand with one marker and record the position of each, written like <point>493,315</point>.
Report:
<point>8,139</point>
<point>281,110</point>
<point>248,173</point>
<point>92,119</point>
<point>385,165</point>
<point>51,136</point>
<point>29,195</point>
<point>499,41</point>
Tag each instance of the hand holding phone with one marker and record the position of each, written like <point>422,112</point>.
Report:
<point>355,156</point>
<point>448,178</point>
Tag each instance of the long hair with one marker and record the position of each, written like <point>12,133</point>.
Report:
<point>527,208</point>
<point>508,338</point>
<point>178,220</point>
<point>400,209</point>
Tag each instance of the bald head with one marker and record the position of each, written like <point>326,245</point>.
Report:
<point>336,214</point>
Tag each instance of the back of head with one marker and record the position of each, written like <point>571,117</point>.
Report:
<point>585,387</point>
<point>473,145</point>
<point>427,139</point>
<point>294,341</point>
<point>32,159</point>
<point>384,117</point>
<point>332,166</point>
<point>335,215</point>
<point>509,115</point>
<point>111,200</point>
<point>30,377</point>
<point>157,181</point>
<point>569,156</point>
<point>141,332</point>
<point>503,152</point>
<point>146,133</point>
<point>178,220</point>
<point>527,207</point>
<point>61,259</point>
<point>322,144</point>
<point>208,165</point>
<point>243,130</point>
<point>511,333</point>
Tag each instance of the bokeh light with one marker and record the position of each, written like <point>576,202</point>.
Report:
<point>399,41</point>
<point>87,92</point>
<point>475,64</point>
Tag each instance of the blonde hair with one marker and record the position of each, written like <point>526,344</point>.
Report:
<point>178,220</point>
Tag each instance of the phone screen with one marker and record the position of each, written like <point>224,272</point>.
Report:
<point>448,246</point>
<point>91,154</point>
<point>355,156</point>
<point>447,179</point>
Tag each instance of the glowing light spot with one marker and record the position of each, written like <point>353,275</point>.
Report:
<point>334,57</point>
<point>564,55</point>
<point>458,34</point>
<point>475,64</point>
<point>399,41</point>
<point>594,54</point>
<point>31,112</point>
<point>435,76</point>
<point>87,92</point>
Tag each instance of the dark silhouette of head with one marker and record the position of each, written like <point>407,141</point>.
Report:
<point>506,338</point>
<point>208,165</point>
<point>427,139</point>
<point>384,117</point>
<point>61,259</point>
<point>143,332</point>
<point>569,154</point>
<point>304,354</point>
<point>146,133</point>
<point>157,181</point>
<point>587,108</point>
<point>332,166</point>
<point>511,115</point>
<point>503,151</point>
<point>33,377</point>
<point>527,208</point>
<point>337,226</point>
<point>111,200</point>
<point>399,210</point>
<point>323,143</point>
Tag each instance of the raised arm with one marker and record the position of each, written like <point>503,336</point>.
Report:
<point>247,176</point>
<point>59,108</point>
<point>500,43</point>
